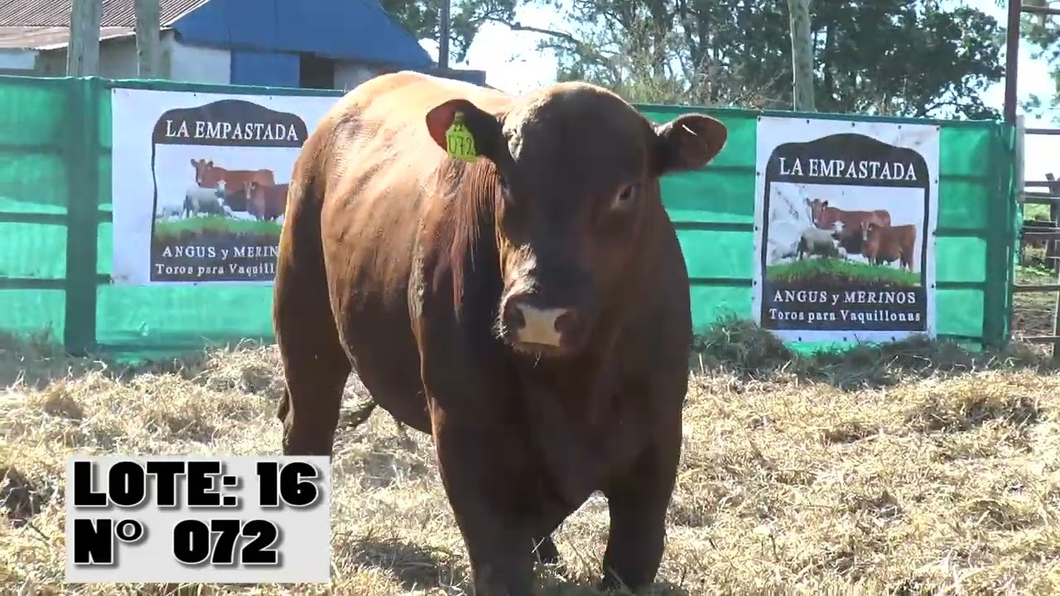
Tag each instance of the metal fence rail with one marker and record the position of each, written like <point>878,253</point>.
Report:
<point>1047,233</point>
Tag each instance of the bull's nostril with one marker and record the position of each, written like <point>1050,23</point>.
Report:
<point>566,323</point>
<point>513,316</point>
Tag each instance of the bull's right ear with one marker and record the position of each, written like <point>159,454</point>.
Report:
<point>688,142</point>
<point>484,129</point>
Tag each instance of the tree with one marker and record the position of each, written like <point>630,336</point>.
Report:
<point>801,35</point>
<point>1043,34</point>
<point>421,18</point>
<point>897,57</point>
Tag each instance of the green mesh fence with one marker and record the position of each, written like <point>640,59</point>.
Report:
<point>56,233</point>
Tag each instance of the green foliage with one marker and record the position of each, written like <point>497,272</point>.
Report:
<point>421,18</point>
<point>918,58</point>
<point>1034,211</point>
<point>1042,36</point>
<point>840,271</point>
<point>889,57</point>
<point>894,57</point>
<point>212,223</point>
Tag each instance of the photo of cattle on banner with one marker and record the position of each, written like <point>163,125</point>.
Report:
<point>220,172</point>
<point>844,222</point>
<point>241,194</point>
<point>838,233</point>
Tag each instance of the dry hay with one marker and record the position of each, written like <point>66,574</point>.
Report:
<point>912,470</point>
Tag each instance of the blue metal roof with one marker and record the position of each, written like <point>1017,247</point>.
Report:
<point>342,29</point>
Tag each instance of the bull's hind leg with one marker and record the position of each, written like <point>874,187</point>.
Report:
<point>314,364</point>
<point>315,370</point>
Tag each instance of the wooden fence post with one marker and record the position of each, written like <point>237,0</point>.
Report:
<point>82,49</point>
<point>148,54</point>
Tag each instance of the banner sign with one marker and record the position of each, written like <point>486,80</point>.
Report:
<point>199,183</point>
<point>845,218</point>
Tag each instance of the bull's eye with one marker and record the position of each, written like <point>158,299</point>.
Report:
<point>625,196</point>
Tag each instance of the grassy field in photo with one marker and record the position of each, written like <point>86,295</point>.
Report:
<point>215,224</point>
<point>841,272</point>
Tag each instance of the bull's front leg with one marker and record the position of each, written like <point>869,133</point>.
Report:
<point>479,473</point>
<point>637,500</point>
<point>482,455</point>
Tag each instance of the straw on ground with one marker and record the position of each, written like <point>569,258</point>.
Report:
<point>914,469</point>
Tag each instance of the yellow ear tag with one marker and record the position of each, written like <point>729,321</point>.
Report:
<point>458,140</point>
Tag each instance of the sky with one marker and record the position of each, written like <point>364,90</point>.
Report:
<point>513,64</point>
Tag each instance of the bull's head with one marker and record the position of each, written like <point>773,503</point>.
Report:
<point>205,176</point>
<point>868,226</point>
<point>817,207</point>
<point>574,171</point>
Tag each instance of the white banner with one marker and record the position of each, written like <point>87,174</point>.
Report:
<point>845,216</point>
<point>199,183</point>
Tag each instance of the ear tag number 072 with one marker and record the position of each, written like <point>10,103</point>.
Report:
<point>458,140</point>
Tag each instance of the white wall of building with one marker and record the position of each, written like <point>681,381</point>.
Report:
<point>195,64</point>
<point>12,61</point>
<point>117,60</point>
<point>180,62</point>
<point>350,74</point>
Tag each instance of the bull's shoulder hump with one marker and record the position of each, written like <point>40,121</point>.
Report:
<point>388,113</point>
<point>410,95</point>
<point>378,130</point>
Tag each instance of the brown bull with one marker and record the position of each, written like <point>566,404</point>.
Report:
<point>826,216</point>
<point>209,175</point>
<point>266,202</point>
<point>883,244</point>
<point>529,309</point>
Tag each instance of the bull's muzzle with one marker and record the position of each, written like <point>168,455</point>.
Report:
<point>534,327</point>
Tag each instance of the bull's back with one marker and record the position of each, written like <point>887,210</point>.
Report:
<point>856,217</point>
<point>904,236</point>
<point>896,234</point>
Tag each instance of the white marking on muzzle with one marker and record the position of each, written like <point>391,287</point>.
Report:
<point>540,325</point>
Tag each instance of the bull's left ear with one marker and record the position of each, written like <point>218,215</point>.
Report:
<point>483,128</point>
<point>688,142</point>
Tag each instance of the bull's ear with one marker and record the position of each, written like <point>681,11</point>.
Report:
<point>688,142</point>
<point>483,128</point>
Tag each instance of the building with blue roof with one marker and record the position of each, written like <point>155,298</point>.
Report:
<point>329,44</point>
